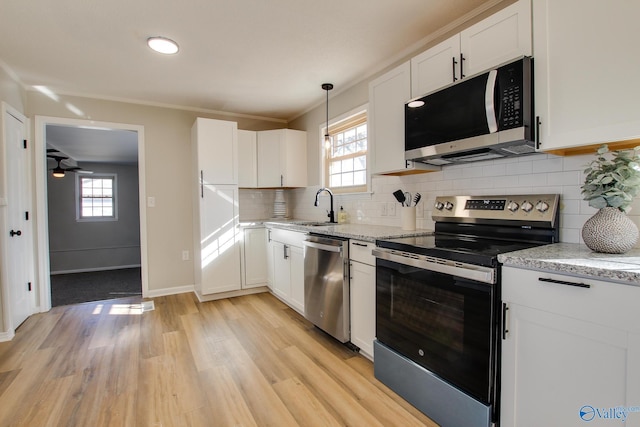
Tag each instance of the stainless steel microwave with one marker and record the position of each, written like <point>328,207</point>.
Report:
<point>483,117</point>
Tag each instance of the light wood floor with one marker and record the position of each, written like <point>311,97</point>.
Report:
<point>246,361</point>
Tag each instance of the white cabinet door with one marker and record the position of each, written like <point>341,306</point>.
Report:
<point>255,257</point>
<point>281,270</point>
<point>436,67</point>
<point>504,36</point>
<point>216,150</point>
<point>363,307</point>
<point>387,96</point>
<point>247,159</point>
<point>583,62</point>
<point>572,350</point>
<point>282,158</point>
<point>297,279</point>
<point>295,163</point>
<point>566,366</point>
<point>269,159</point>
<point>218,262</point>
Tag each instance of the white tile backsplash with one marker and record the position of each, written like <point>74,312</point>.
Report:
<point>538,173</point>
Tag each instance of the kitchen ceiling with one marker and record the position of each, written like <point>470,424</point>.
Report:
<point>250,57</point>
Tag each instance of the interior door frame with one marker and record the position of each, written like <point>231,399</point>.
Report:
<point>42,221</point>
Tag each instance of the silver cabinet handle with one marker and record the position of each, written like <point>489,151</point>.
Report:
<point>285,251</point>
<point>364,245</point>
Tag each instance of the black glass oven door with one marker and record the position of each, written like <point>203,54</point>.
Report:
<point>442,322</point>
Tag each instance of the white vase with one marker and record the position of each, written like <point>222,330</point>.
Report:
<point>610,231</point>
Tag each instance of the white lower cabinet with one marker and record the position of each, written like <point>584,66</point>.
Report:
<point>286,254</point>
<point>363,296</point>
<point>254,257</point>
<point>571,351</point>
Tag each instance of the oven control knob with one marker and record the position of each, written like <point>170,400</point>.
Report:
<point>513,206</point>
<point>448,206</point>
<point>439,206</point>
<point>542,206</point>
<point>526,206</point>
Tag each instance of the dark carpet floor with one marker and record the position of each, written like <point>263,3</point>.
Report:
<point>77,288</point>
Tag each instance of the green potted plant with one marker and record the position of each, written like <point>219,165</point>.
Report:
<point>611,183</point>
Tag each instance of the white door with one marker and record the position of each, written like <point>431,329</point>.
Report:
<point>19,256</point>
<point>220,239</point>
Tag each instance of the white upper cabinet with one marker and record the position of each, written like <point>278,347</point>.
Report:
<point>501,37</point>
<point>216,145</point>
<point>387,96</point>
<point>248,159</point>
<point>282,158</point>
<point>586,59</point>
<point>436,67</point>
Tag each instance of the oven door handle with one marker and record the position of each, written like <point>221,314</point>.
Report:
<point>458,269</point>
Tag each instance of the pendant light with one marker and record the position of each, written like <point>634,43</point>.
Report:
<point>327,138</point>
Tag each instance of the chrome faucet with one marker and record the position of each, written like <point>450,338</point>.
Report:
<point>331,213</point>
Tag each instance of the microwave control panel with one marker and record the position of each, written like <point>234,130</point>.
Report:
<point>510,93</point>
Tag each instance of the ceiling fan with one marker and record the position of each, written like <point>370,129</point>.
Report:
<point>59,171</point>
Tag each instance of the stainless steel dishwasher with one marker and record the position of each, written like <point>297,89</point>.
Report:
<point>326,284</point>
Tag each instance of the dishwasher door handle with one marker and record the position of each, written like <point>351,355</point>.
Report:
<point>324,247</point>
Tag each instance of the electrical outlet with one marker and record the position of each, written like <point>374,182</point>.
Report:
<point>151,202</point>
<point>391,209</point>
<point>185,255</point>
<point>383,209</point>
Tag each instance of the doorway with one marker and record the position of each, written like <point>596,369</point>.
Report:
<point>83,232</point>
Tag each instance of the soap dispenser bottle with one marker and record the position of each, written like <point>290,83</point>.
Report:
<point>342,216</point>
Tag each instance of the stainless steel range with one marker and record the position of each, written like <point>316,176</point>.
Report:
<point>438,303</point>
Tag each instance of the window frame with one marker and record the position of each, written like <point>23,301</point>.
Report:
<point>114,197</point>
<point>337,123</point>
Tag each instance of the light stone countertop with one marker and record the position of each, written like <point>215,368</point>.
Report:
<point>578,260</point>
<point>366,232</point>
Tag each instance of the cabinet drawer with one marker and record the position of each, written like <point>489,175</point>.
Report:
<point>361,251</point>
<point>595,301</point>
<point>288,237</point>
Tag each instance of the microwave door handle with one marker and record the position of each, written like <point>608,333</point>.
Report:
<point>489,102</point>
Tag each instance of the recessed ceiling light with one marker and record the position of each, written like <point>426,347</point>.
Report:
<point>163,45</point>
<point>415,104</point>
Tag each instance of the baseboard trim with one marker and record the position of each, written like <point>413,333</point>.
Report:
<point>153,293</point>
<point>91,270</point>
<point>7,336</point>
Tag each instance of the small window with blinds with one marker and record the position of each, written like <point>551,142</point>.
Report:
<point>346,155</point>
